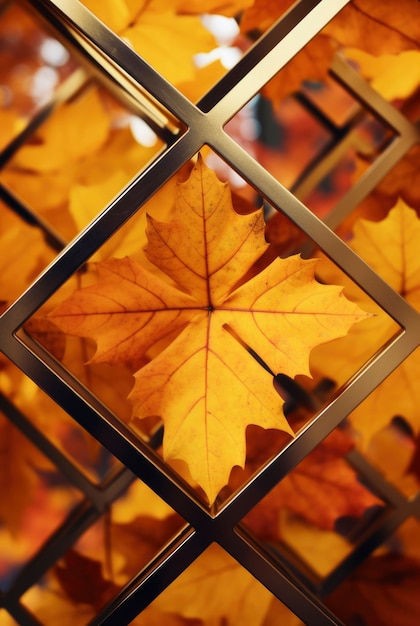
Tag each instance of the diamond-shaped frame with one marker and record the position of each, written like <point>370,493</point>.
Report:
<point>204,125</point>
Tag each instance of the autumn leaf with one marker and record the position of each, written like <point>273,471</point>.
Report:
<point>163,36</point>
<point>229,8</point>
<point>139,540</point>
<point>18,479</point>
<point>282,312</point>
<point>402,179</point>
<point>366,25</point>
<point>391,249</point>
<point>320,490</point>
<point>377,27</point>
<point>52,606</point>
<point>262,14</point>
<point>216,587</point>
<point>394,76</point>
<point>383,591</point>
<point>82,580</point>
<point>54,147</point>
<point>27,251</point>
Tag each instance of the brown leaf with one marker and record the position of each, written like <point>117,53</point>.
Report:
<point>383,591</point>
<point>262,14</point>
<point>377,27</point>
<point>321,489</point>
<point>82,580</point>
<point>18,478</point>
<point>310,64</point>
<point>139,540</point>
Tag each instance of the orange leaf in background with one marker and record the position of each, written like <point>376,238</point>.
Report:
<point>139,540</point>
<point>391,248</point>
<point>153,617</point>
<point>402,180</point>
<point>262,14</point>
<point>229,8</point>
<point>18,478</point>
<point>82,580</point>
<point>384,591</point>
<point>310,64</point>
<point>365,24</point>
<point>377,27</point>
<point>321,489</point>
<point>392,75</point>
<point>204,385</point>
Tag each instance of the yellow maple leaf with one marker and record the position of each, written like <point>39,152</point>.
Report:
<point>391,248</point>
<point>56,147</point>
<point>204,385</point>
<point>164,37</point>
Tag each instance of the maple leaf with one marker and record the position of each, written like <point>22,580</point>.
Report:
<point>204,385</point>
<point>391,248</point>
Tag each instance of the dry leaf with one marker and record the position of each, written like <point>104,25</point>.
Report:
<point>383,591</point>
<point>377,27</point>
<point>403,178</point>
<point>27,254</point>
<point>141,539</point>
<point>321,489</point>
<point>82,580</point>
<point>282,313</point>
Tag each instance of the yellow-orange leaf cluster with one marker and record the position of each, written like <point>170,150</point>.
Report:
<point>391,248</point>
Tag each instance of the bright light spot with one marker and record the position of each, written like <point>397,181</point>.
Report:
<point>53,53</point>
<point>142,133</point>
<point>228,57</point>
<point>224,29</point>
<point>43,84</point>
